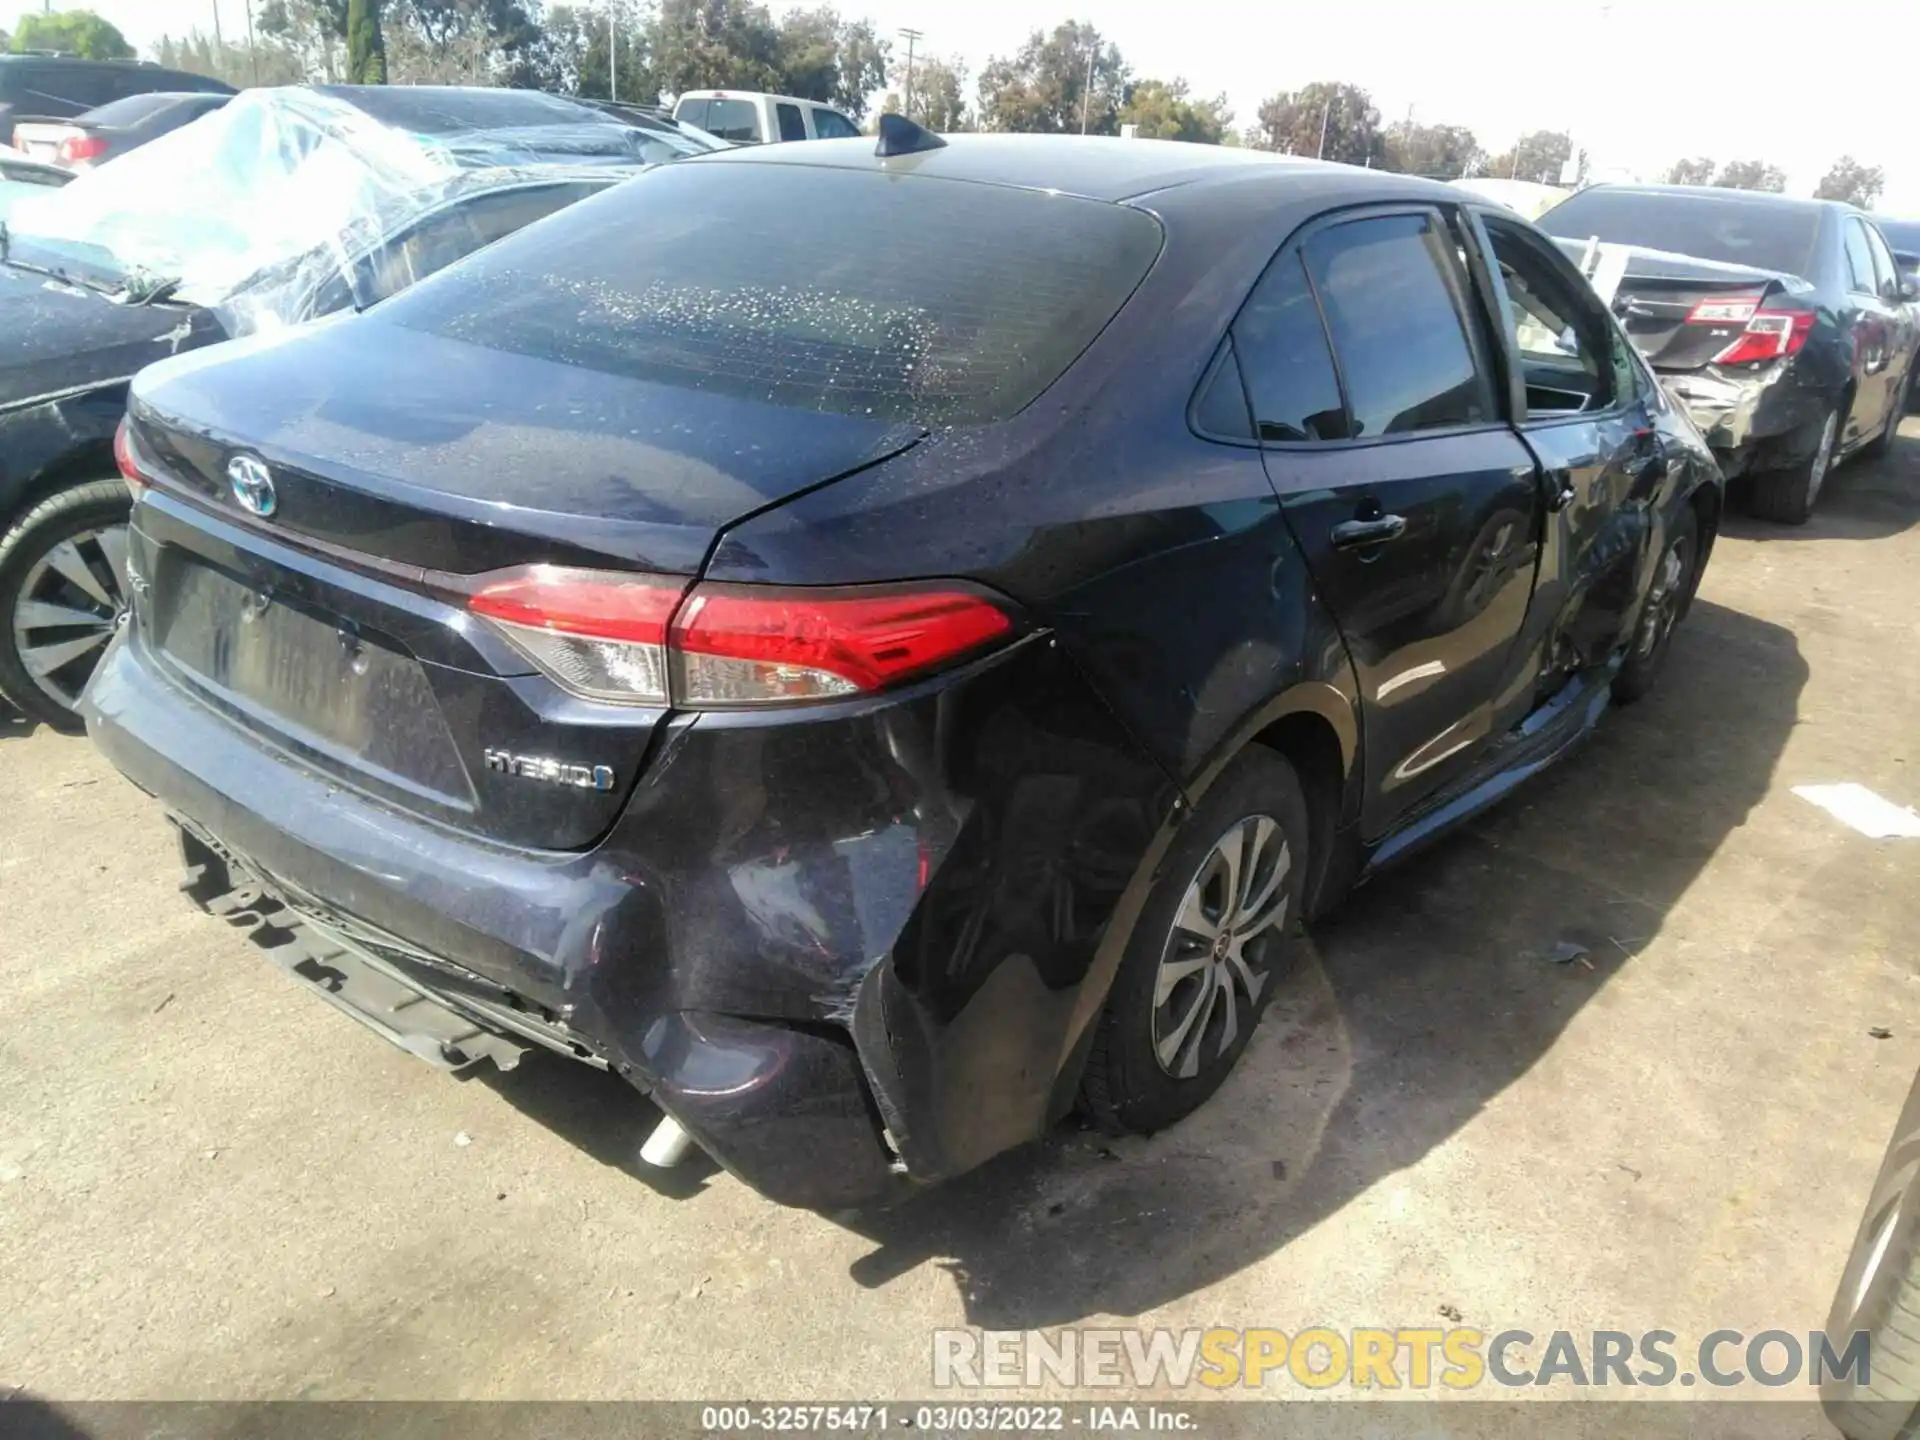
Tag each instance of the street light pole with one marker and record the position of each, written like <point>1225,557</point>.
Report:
<point>613,57</point>
<point>911,37</point>
<point>1086,95</point>
<point>253,55</point>
<point>219,44</point>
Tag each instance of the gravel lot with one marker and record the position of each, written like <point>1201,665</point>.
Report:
<point>213,1186</point>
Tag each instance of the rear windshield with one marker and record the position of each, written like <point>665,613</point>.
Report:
<point>737,120</point>
<point>1727,228</point>
<point>1902,235</point>
<point>135,108</point>
<point>908,298</point>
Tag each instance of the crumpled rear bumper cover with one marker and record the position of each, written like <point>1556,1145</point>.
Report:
<point>847,954</point>
<point>1742,413</point>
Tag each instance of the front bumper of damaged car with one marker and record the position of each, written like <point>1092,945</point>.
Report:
<point>848,951</point>
<point>1751,419</point>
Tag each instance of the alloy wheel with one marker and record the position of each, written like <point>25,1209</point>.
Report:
<point>1214,965</point>
<point>73,600</point>
<point>1663,599</point>
<point>1822,457</point>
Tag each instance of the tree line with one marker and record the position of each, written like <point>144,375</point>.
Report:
<point>1072,78</point>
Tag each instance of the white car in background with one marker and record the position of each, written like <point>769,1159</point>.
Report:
<point>1527,198</point>
<point>749,117</point>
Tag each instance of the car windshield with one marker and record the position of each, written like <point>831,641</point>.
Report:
<point>979,297</point>
<point>286,181</point>
<point>1714,225</point>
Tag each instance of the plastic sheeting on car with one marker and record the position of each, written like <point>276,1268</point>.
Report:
<point>272,206</point>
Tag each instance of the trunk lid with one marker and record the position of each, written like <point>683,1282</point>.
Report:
<point>1658,290</point>
<point>335,627</point>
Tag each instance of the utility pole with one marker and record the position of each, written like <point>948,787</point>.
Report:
<point>253,55</point>
<point>219,45</point>
<point>1086,95</point>
<point>911,37</point>
<point>1326,114</point>
<point>613,57</point>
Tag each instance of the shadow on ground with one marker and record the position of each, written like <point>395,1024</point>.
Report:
<point>1425,997</point>
<point>1862,500</point>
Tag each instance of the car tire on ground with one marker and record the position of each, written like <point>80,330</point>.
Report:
<point>1675,577</point>
<point>62,595</point>
<point>1879,1296</point>
<point>1788,496</point>
<point>1217,932</point>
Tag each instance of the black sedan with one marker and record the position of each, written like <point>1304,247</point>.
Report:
<point>1783,325</point>
<point>99,135</point>
<point>283,206</point>
<point>874,696</point>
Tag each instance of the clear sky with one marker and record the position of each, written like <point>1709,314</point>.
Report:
<point>1639,82</point>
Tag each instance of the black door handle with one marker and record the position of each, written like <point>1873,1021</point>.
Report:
<point>1559,490</point>
<point>1357,534</point>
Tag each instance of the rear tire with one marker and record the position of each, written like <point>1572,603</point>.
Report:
<point>1215,936</point>
<point>1675,578</point>
<point>78,594</point>
<point>1787,496</point>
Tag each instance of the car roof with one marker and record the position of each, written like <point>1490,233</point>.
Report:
<point>1721,192</point>
<point>755,95</point>
<point>1098,167</point>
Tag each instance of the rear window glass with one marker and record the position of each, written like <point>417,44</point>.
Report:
<point>133,109</point>
<point>913,299</point>
<point>729,119</point>
<point>1727,228</point>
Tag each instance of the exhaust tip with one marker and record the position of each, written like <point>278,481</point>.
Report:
<point>667,1146</point>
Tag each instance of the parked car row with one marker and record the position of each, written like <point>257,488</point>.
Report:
<point>782,676</point>
<point>1785,327</point>
<point>283,206</point>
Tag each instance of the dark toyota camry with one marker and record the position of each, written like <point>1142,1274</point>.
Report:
<point>874,693</point>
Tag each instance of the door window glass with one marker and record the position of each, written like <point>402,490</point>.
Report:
<point>1570,358</point>
<point>792,126</point>
<point>1860,260</point>
<point>832,125</point>
<point>1388,287</point>
<point>1283,349</point>
<point>1885,271</point>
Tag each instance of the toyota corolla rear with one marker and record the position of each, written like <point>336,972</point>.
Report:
<point>424,669</point>
<point>1713,293</point>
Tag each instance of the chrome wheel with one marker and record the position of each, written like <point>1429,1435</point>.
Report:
<point>74,598</point>
<point>1822,458</point>
<point>1663,599</point>
<point>1214,964</point>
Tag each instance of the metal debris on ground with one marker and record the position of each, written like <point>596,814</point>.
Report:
<point>1880,1032</point>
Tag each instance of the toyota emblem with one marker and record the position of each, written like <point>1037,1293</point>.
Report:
<point>252,485</point>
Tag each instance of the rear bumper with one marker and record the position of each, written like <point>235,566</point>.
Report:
<point>841,949</point>
<point>1752,422</point>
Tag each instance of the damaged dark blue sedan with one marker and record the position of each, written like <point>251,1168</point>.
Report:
<point>876,687</point>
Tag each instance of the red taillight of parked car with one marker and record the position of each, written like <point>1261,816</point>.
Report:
<point>1769,334</point>
<point>80,150</point>
<point>128,459</point>
<point>649,640</point>
<point>749,645</point>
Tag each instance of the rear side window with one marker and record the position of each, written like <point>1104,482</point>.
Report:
<point>832,125</point>
<point>1283,355</point>
<point>792,125</point>
<point>688,276</point>
<point>1388,287</point>
<point>732,120</point>
<point>1860,276</point>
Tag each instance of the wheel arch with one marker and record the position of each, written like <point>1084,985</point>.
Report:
<point>54,444</point>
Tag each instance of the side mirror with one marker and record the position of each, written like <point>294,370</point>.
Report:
<point>1909,290</point>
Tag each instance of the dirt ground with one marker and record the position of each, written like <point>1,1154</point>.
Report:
<point>213,1186</point>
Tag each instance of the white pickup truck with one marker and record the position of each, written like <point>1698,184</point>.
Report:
<point>749,117</point>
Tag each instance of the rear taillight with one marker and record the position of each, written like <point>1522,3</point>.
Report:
<point>649,640</point>
<point>602,636</point>
<point>132,469</point>
<point>80,149</point>
<point>1768,334</point>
